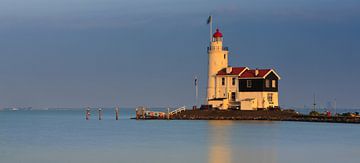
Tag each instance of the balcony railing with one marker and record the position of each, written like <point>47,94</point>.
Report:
<point>216,48</point>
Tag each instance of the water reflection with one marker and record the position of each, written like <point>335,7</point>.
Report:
<point>232,141</point>
<point>220,149</point>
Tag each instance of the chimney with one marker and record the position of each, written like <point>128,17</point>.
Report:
<point>228,70</point>
<point>256,72</point>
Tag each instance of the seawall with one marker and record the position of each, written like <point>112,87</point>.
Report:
<point>259,115</point>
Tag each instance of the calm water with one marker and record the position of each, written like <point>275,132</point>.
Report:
<point>65,137</point>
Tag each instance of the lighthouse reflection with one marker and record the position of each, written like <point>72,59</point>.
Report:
<point>225,148</point>
<point>220,149</point>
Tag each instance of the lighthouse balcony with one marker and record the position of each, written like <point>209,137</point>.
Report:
<point>217,48</point>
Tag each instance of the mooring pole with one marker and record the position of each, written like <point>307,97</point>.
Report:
<point>87,113</point>
<point>137,114</point>
<point>117,113</point>
<point>168,113</point>
<point>314,104</point>
<point>100,113</point>
<point>335,106</point>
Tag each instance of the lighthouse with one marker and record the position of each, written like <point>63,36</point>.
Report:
<point>238,87</point>
<point>218,60</point>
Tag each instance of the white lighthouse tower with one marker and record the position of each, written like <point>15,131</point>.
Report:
<point>218,60</point>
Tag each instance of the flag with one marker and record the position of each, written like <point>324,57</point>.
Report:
<point>209,20</point>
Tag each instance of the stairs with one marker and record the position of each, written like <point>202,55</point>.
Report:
<point>178,110</point>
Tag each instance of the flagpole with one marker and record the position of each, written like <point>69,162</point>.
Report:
<point>209,21</point>
<point>210,27</point>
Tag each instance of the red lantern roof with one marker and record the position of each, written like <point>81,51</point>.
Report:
<point>217,33</point>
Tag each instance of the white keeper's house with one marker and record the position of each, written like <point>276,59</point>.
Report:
<point>238,87</point>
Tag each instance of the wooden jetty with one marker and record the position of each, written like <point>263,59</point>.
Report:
<point>143,113</point>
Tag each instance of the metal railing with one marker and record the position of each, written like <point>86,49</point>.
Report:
<point>223,48</point>
<point>178,110</point>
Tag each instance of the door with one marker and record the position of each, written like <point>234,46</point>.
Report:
<point>233,96</point>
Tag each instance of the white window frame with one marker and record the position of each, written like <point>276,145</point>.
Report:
<point>273,83</point>
<point>248,83</point>
<point>267,83</point>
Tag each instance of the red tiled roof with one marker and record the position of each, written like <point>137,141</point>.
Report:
<point>251,73</point>
<point>234,71</point>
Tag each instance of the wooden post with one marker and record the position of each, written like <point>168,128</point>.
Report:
<point>100,113</point>
<point>137,114</point>
<point>87,114</point>
<point>168,113</point>
<point>117,113</point>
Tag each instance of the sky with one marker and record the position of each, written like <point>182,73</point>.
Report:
<point>103,53</point>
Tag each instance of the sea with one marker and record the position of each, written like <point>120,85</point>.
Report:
<point>64,136</point>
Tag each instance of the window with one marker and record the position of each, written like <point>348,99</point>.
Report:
<point>222,81</point>
<point>248,83</point>
<point>273,83</point>
<point>233,81</point>
<point>270,98</point>
<point>267,83</point>
<point>224,56</point>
